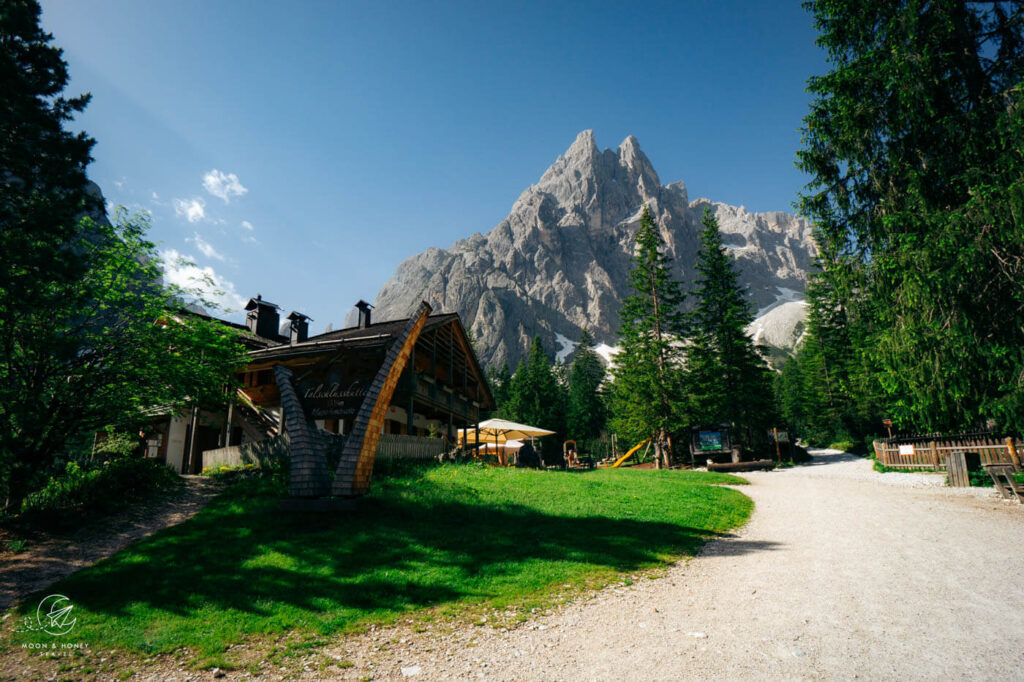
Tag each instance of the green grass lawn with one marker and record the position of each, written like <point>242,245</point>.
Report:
<point>443,540</point>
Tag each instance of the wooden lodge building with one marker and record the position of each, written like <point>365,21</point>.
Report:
<point>442,388</point>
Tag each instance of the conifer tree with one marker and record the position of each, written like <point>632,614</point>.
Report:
<point>89,339</point>
<point>501,384</point>
<point>728,381</point>
<point>536,398</point>
<point>913,144</point>
<point>585,416</point>
<point>645,396</point>
<point>42,177</point>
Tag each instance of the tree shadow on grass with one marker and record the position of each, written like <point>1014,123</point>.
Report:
<point>396,553</point>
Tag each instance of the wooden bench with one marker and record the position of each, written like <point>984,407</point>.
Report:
<point>1006,484</point>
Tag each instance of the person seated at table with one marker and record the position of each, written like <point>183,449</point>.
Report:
<point>527,457</point>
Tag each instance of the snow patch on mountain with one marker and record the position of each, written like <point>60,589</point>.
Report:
<point>566,349</point>
<point>607,352</point>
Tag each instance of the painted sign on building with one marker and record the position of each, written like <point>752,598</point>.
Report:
<point>332,401</point>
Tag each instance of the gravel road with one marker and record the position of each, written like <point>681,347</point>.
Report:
<point>842,573</point>
<point>53,556</point>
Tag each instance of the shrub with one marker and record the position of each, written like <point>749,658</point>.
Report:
<point>87,487</point>
<point>980,478</point>
<point>856,447</point>
<point>800,454</point>
<point>117,445</point>
<point>17,545</point>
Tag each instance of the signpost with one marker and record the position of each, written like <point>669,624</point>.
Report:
<point>779,437</point>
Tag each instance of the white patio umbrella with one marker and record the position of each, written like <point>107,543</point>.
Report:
<point>498,431</point>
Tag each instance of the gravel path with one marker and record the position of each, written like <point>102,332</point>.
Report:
<point>50,557</point>
<point>841,573</point>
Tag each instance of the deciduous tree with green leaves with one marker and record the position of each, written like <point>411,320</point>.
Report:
<point>646,395</point>
<point>88,338</point>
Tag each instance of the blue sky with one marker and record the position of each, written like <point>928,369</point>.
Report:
<point>303,150</point>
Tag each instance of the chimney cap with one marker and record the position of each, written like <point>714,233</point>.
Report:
<point>363,305</point>
<point>258,302</point>
<point>295,315</point>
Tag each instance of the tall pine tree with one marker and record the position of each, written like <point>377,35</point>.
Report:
<point>501,383</point>
<point>536,398</point>
<point>585,415</point>
<point>728,381</point>
<point>645,396</point>
<point>913,144</point>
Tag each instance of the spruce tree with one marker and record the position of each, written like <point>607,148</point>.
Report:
<point>536,398</point>
<point>645,396</point>
<point>585,416</point>
<point>728,381</point>
<point>913,144</point>
<point>501,383</point>
<point>42,177</point>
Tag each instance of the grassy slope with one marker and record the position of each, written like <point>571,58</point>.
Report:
<point>445,538</point>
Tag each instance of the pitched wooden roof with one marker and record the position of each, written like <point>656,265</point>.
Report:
<point>445,328</point>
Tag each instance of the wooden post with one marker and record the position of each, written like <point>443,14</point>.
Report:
<point>188,464</point>
<point>935,454</point>
<point>778,453</point>
<point>225,431</point>
<point>1012,449</point>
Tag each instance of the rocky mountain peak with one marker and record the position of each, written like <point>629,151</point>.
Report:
<point>584,147</point>
<point>632,157</point>
<point>560,261</point>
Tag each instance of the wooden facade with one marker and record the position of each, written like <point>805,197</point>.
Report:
<point>441,389</point>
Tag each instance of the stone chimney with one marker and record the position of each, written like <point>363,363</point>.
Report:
<point>299,327</point>
<point>364,314</point>
<point>262,317</point>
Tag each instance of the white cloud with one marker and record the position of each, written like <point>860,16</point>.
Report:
<point>247,234</point>
<point>199,282</point>
<point>205,247</point>
<point>193,209</point>
<point>156,197</point>
<point>223,185</point>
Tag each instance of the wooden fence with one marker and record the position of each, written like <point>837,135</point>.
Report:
<point>393,446</point>
<point>390,447</point>
<point>934,453</point>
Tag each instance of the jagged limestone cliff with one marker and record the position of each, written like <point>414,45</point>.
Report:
<point>559,261</point>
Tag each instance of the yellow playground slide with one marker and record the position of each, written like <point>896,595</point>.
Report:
<point>628,454</point>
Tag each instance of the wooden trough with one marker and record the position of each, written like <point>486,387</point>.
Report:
<point>755,465</point>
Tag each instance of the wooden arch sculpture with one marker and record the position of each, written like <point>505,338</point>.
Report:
<point>355,468</point>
